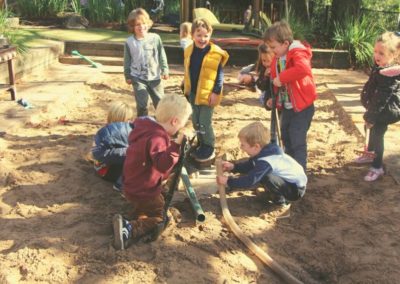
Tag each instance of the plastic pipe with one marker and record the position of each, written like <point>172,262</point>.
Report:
<point>94,64</point>
<point>200,217</point>
<point>262,255</point>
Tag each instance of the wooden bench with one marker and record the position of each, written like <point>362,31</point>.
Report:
<point>7,55</point>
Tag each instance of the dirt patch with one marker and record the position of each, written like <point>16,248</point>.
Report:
<point>56,214</point>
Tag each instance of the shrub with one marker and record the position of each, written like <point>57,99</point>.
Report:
<point>10,33</point>
<point>35,9</point>
<point>358,37</point>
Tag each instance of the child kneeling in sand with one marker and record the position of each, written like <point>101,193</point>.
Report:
<point>150,159</point>
<point>111,142</point>
<point>281,176</point>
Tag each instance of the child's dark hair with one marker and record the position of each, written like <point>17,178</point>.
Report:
<point>262,49</point>
<point>279,31</point>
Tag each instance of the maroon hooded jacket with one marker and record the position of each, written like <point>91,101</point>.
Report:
<point>150,157</point>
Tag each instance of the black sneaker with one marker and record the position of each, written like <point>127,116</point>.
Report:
<point>204,153</point>
<point>122,232</point>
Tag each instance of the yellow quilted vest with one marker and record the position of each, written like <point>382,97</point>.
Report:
<point>208,72</point>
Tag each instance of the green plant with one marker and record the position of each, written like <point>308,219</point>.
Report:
<point>35,9</point>
<point>357,36</point>
<point>10,33</point>
<point>103,11</point>
<point>301,30</point>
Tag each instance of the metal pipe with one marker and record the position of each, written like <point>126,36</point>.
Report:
<point>200,217</point>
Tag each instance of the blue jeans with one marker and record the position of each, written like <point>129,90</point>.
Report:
<point>294,128</point>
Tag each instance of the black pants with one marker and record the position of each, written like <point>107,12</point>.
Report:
<point>282,189</point>
<point>294,128</point>
<point>376,143</point>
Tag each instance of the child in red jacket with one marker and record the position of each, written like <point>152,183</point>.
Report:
<point>150,158</point>
<point>291,73</point>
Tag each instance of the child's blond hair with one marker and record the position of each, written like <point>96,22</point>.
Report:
<point>119,112</point>
<point>173,106</point>
<point>185,30</point>
<point>201,23</point>
<point>255,133</point>
<point>138,14</point>
<point>391,42</point>
<point>279,31</point>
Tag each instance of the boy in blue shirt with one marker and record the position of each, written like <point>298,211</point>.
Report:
<point>281,176</point>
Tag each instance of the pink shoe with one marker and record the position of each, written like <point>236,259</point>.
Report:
<point>374,174</point>
<point>364,158</point>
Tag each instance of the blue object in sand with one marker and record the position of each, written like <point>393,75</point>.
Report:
<point>24,103</point>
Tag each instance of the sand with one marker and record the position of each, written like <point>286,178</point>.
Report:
<point>55,213</point>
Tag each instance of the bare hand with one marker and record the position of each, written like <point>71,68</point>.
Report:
<point>245,79</point>
<point>128,81</point>
<point>180,137</point>
<point>277,82</point>
<point>165,77</point>
<point>222,180</point>
<point>184,132</point>
<point>268,103</point>
<point>227,166</point>
<point>368,125</point>
<point>213,99</point>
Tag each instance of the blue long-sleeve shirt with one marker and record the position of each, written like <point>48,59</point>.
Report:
<point>196,60</point>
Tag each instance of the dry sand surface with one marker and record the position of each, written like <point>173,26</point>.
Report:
<point>55,224</point>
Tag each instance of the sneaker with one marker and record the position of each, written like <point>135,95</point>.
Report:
<point>122,232</point>
<point>117,186</point>
<point>374,174</point>
<point>365,158</point>
<point>204,153</point>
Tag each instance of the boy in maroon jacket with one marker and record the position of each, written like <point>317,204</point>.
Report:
<point>291,73</point>
<point>150,157</point>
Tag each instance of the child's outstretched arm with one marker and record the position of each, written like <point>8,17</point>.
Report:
<point>252,178</point>
<point>127,64</point>
<point>163,60</point>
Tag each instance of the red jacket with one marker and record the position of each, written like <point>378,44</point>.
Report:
<point>150,157</point>
<point>297,76</point>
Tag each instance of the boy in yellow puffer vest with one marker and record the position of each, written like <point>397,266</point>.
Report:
<point>203,80</point>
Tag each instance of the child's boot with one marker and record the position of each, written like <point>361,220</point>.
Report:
<point>122,232</point>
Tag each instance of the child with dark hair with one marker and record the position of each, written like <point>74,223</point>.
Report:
<point>292,77</point>
<point>258,74</point>
<point>203,80</point>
